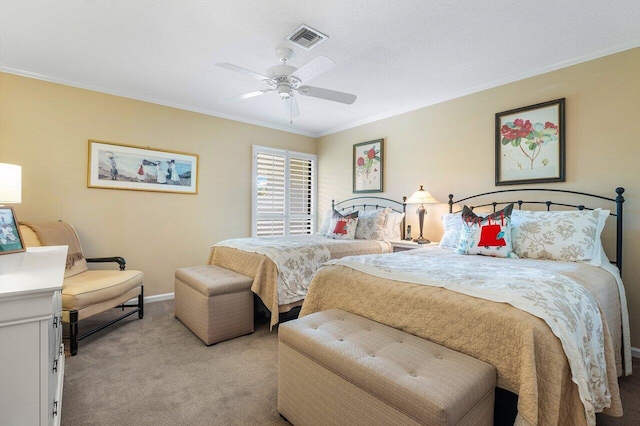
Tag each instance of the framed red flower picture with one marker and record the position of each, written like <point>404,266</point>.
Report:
<point>368,162</point>
<point>530,144</point>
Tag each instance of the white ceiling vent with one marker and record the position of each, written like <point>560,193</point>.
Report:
<point>306,37</point>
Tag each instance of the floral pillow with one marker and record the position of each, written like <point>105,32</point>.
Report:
<point>571,236</point>
<point>343,227</point>
<point>371,225</point>
<point>489,235</point>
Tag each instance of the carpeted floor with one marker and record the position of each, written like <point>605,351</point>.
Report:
<point>156,372</point>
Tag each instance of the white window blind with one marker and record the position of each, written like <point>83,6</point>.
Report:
<point>284,192</point>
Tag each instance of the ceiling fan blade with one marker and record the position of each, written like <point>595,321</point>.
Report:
<point>245,96</point>
<point>330,95</point>
<point>314,68</point>
<point>291,107</point>
<point>241,70</point>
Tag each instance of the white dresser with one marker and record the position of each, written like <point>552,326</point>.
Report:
<point>31,350</point>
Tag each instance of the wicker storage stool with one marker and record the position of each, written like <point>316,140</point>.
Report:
<point>215,303</point>
<point>336,368</point>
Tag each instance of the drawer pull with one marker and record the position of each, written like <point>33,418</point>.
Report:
<point>55,321</point>
<point>55,408</point>
<point>55,365</point>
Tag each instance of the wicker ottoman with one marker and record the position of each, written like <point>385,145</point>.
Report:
<point>215,303</point>
<point>336,368</point>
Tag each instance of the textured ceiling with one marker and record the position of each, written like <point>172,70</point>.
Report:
<point>395,55</point>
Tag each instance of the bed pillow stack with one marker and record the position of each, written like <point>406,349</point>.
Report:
<point>572,236</point>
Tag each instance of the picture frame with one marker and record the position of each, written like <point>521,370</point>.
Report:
<point>11,240</point>
<point>368,166</point>
<point>120,166</point>
<point>530,144</point>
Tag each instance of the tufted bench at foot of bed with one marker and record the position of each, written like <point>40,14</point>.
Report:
<point>215,303</point>
<point>336,368</point>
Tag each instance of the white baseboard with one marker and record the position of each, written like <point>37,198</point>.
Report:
<point>635,352</point>
<point>155,298</point>
<point>161,297</point>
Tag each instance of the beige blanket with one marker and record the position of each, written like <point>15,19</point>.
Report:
<point>61,233</point>
<point>529,358</point>
<point>265,273</point>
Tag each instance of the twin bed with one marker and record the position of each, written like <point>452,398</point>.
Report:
<point>282,267</point>
<point>556,331</point>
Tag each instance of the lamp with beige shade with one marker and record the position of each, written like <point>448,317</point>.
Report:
<point>422,197</point>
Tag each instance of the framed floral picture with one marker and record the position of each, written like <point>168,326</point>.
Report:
<point>530,144</point>
<point>368,162</point>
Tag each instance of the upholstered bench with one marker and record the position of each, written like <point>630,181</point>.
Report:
<point>338,368</point>
<point>215,303</point>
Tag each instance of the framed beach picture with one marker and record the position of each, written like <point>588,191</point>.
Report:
<point>530,144</point>
<point>368,162</point>
<point>10,237</point>
<point>119,166</point>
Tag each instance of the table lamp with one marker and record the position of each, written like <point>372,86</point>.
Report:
<point>421,197</point>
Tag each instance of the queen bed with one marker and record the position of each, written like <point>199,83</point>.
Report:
<point>282,267</point>
<point>557,330</point>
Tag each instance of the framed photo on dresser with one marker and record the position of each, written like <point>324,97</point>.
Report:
<point>10,237</point>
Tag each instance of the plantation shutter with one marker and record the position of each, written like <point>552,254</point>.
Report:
<point>284,192</point>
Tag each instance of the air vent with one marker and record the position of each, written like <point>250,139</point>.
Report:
<point>306,37</point>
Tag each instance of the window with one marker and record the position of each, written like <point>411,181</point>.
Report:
<point>283,193</point>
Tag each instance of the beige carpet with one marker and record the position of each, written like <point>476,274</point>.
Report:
<point>156,372</point>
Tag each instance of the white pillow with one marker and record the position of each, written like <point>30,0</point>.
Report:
<point>572,236</point>
<point>371,224</point>
<point>393,226</point>
<point>452,224</point>
<point>326,222</point>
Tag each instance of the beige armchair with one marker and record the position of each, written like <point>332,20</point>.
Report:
<point>87,292</point>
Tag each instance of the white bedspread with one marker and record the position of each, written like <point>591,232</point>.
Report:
<point>565,305</point>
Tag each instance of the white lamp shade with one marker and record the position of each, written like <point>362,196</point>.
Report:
<point>10,183</point>
<point>421,196</point>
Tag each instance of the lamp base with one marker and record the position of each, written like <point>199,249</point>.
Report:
<point>421,240</point>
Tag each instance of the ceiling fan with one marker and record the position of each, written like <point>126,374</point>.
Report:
<point>285,79</point>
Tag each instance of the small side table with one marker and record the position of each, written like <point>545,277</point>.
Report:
<point>397,246</point>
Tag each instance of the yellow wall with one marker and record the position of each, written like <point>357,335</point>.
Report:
<point>449,148</point>
<point>44,127</point>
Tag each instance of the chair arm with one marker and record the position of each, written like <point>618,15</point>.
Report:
<point>119,260</point>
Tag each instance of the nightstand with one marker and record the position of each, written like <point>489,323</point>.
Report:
<point>397,246</point>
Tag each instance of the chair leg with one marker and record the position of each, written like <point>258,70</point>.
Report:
<point>73,332</point>
<point>141,302</point>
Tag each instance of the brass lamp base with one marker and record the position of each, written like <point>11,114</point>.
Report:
<point>421,240</point>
